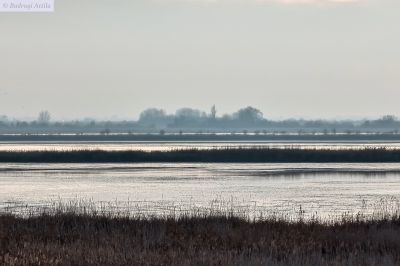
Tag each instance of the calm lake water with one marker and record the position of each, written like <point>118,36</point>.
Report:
<point>166,146</point>
<point>325,189</point>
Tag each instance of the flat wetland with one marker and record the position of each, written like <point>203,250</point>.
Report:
<point>211,204</point>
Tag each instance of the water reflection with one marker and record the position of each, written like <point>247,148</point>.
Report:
<point>168,146</point>
<point>325,189</point>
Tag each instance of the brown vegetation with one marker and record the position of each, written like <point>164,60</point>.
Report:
<point>83,239</point>
<point>218,155</point>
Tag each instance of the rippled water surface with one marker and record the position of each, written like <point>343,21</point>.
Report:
<point>326,189</point>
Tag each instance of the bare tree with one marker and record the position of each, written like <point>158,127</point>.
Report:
<point>44,117</point>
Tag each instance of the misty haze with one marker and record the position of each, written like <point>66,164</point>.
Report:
<point>196,132</point>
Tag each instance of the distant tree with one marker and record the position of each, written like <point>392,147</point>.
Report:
<point>153,117</point>
<point>188,117</point>
<point>22,124</point>
<point>44,118</point>
<point>389,118</point>
<point>249,115</point>
<point>387,121</point>
<point>213,112</point>
<point>3,118</point>
<point>188,113</point>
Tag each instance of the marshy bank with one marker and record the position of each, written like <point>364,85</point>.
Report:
<point>90,238</point>
<point>220,155</point>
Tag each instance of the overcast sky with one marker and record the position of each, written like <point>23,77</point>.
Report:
<point>105,58</point>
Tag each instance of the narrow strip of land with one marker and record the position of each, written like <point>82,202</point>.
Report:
<point>228,155</point>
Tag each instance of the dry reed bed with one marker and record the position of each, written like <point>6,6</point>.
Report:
<point>68,237</point>
<point>220,155</point>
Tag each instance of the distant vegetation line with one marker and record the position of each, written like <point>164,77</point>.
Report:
<point>226,155</point>
<point>201,137</point>
<point>184,120</point>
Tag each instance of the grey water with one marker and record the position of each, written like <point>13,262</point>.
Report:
<point>177,145</point>
<point>322,189</point>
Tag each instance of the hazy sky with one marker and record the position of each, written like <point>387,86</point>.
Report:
<point>289,58</point>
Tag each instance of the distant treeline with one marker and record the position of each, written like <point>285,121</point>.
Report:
<point>188,120</point>
<point>228,155</point>
<point>210,137</point>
